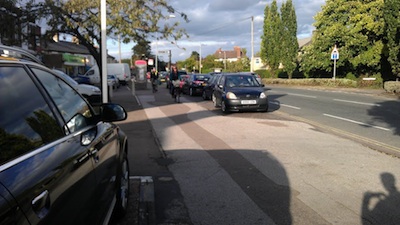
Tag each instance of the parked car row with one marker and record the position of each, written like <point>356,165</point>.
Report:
<point>61,161</point>
<point>232,92</point>
<point>90,92</point>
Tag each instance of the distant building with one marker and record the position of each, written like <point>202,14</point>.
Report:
<point>71,57</point>
<point>229,56</point>
<point>259,65</point>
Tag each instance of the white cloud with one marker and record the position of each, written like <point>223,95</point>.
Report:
<point>225,24</point>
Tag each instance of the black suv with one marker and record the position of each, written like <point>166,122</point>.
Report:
<point>61,161</point>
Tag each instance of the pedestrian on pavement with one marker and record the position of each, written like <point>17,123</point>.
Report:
<point>154,79</point>
<point>173,76</point>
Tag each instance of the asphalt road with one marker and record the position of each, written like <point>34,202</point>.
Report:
<point>365,115</point>
<point>267,168</point>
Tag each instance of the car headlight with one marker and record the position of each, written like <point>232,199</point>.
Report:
<point>96,90</point>
<point>230,95</point>
<point>263,95</point>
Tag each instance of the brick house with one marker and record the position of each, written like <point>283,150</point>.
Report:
<point>230,56</point>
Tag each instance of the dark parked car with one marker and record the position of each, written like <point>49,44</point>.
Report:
<point>210,85</point>
<point>61,162</point>
<point>195,83</point>
<point>239,92</point>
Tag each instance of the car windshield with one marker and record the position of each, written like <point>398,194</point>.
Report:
<point>67,78</point>
<point>241,81</point>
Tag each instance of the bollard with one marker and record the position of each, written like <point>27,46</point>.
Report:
<point>133,87</point>
<point>110,91</point>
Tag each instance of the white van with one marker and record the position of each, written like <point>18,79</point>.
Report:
<point>121,70</point>
<point>93,74</point>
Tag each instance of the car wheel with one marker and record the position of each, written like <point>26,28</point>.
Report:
<point>266,109</point>
<point>121,206</point>
<point>214,99</point>
<point>223,107</point>
<point>204,95</point>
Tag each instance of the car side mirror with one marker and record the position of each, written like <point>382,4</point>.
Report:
<point>111,112</point>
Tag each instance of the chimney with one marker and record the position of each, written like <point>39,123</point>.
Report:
<point>238,51</point>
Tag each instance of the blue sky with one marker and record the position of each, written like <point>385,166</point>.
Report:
<point>222,24</point>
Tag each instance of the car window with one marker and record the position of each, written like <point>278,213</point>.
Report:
<point>75,111</point>
<point>90,72</point>
<point>241,81</point>
<point>221,80</point>
<point>26,121</point>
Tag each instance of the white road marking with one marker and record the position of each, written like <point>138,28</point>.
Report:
<point>300,95</point>
<point>355,102</point>
<point>289,106</point>
<point>356,122</point>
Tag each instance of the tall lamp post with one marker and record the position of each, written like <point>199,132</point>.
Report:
<point>103,26</point>
<point>224,61</point>
<point>157,51</point>
<point>169,16</point>
<point>200,59</point>
<point>252,45</point>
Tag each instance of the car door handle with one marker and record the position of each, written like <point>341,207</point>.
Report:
<point>41,204</point>
<point>94,153</point>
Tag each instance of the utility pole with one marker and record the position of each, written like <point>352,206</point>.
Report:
<point>252,45</point>
<point>169,60</point>
<point>224,61</point>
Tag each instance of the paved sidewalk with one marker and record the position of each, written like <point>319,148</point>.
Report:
<point>155,195</point>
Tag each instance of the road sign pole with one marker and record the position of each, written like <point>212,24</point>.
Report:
<point>334,57</point>
<point>334,69</point>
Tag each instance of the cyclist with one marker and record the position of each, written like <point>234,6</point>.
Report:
<point>154,79</point>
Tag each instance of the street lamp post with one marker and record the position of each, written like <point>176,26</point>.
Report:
<point>252,45</point>
<point>225,61</point>
<point>200,59</point>
<point>157,51</point>
<point>156,65</point>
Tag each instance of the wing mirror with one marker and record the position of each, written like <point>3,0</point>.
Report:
<point>111,112</point>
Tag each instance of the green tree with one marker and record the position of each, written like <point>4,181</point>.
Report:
<point>271,38</point>
<point>357,28</point>
<point>10,23</point>
<point>392,19</point>
<point>131,20</point>
<point>290,46</point>
<point>140,49</point>
<point>209,64</point>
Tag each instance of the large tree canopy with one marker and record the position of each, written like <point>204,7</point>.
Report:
<point>272,37</point>
<point>131,20</point>
<point>290,46</point>
<point>357,27</point>
<point>392,20</point>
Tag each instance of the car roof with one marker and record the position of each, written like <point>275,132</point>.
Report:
<point>17,54</point>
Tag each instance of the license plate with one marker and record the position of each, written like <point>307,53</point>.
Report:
<point>249,102</point>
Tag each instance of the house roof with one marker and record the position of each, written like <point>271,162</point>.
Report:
<point>303,42</point>
<point>65,47</point>
<point>232,54</point>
